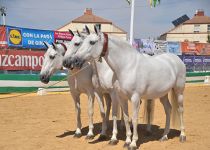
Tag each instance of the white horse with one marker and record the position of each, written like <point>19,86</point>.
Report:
<point>104,79</point>
<point>138,76</point>
<point>79,83</point>
<point>101,72</point>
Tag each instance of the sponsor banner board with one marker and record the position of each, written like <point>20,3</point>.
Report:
<point>192,48</point>
<point>21,60</point>
<point>160,47</point>
<point>144,45</point>
<point>3,40</point>
<point>198,60</point>
<point>28,38</point>
<point>174,47</point>
<point>62,36</point>
<point>206,60</point>
<point>189,60</point>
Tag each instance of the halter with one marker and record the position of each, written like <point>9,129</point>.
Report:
<point>64,46</point>
<point>105,47</point>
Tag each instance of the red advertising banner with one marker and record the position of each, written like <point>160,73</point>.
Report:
<point>21,60</point>
<point>62,36</point>
<point>3,39</point>
<point>195,48</point>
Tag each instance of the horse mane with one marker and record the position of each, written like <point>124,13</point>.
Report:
<point>122,43</point>
<point>119,41</point>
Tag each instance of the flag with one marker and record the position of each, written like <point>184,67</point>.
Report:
<point>129,1</point>
<point>153,3</point>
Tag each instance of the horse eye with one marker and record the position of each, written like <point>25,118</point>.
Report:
<point>52,57</point>
<point>76,44</point>
<point>92,42</point>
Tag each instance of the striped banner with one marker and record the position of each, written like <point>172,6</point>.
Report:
<point>15,83</point>
<point>196,77</point>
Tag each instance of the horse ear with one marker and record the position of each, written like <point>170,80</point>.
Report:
<point>87,30</point>
<point>71,32</point>
<point>54,46</point>
<point>78,33</point>
<point>46,44</point>
<point>96,30</point>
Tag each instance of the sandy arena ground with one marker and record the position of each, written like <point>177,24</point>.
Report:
<point>48,123</point>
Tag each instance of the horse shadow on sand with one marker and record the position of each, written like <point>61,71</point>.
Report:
<point>143,135</point>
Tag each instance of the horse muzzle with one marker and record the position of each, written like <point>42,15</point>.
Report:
<point>68,63</point>
<point>78,63</point>
<point>44,79</point>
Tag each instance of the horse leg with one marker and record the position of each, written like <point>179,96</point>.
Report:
<point>76,99</point>
<point>108,106</point>
<point>135,99</point>
<point>122,123</point>
<point>91,97</point>
<point>103,135</point>
<point>167,107</point>
<point>149,115</point>
<point>114,98</point>
<point>182,137</point>
<point>124,108</point>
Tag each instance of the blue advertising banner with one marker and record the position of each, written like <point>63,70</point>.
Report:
<point>189,62</point>
<point>206,60</point>
<point>28,38</point>
<point>174,47</point>
<point>198,60</point>
<point>206,63</point>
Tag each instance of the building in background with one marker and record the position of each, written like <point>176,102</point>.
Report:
<point>89,19</point>
<point>196,29</point>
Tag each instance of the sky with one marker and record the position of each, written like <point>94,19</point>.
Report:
<point>148,22</point>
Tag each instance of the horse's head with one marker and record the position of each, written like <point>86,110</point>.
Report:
<point>72,48</point>
<point>52,61</point>
<point>91,48</point>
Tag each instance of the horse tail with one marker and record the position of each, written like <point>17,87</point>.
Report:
<point>148,111</point>
<point>174,114</point>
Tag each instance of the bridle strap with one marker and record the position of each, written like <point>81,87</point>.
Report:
<point>64,46</point>
<point>105,46</point>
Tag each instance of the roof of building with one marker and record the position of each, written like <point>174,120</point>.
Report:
<point>198,18</point>
<point>89,17</point>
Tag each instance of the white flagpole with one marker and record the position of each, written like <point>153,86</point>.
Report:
<point>132,21</point>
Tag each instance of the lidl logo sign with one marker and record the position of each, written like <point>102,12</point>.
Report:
<point>14,37</point>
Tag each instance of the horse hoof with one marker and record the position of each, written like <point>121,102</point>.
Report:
<point>126,145</point>
<point>132,148</point>
<point>89,137</point>
<point>77,135</point>
<point>182,138</point>
<point>113,142</point>
<point>102,137</point>
<point>164,138</point>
